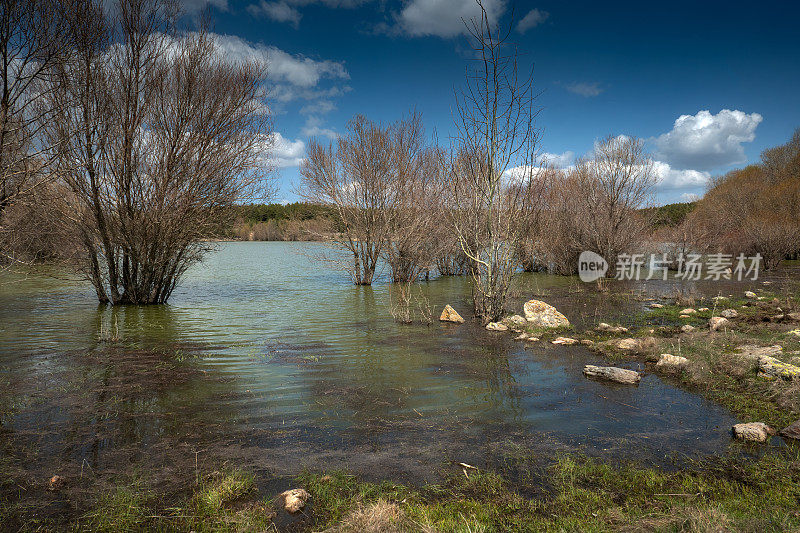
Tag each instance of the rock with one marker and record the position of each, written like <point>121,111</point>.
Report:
<point>729,313</point>
<point>795,332</point>
<point>527,337</point>
<point>704,309</point>
<point>636,345</point>
<point>450,315</point>
<point>56,482</point>
<point>293,500</point>
<point>602,326</point>
<point>793,316</point>
<point>753,431</point>
<point>656,306</point>
<point>587,342</point>
<point>717,298</point>
<point>689,311</point>
<point>671,361</point>
<point>716,322</point>
<point>515,321</point>
<point>687,328</point>
<point>543,315</point>
<point>628,344</point>
<point>612,373</point>
<point>685,316</point>
<point>775,368</point>
<point>566,341</point>
<point>496,326</point>
<point>753,351</point>
<point>792,431</point>
<point>750,295</point>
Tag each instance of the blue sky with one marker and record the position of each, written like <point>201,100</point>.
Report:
<point>707,84</point>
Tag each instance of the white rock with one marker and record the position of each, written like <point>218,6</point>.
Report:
<point>656,306</point>
<point>612,373</point>
<point>293,500</point>
<point>703,309</point>
<point>716,322</point>
<point>543,315</point>
<point>688,311</point>
<point>751,295</point>
<point>496,326</point>
<point>753,431</point>
<point>565,341</point>
<point>729,313</point>
<point>687,328</point>
<point>671,361</point>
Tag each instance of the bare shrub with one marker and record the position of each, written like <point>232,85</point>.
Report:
<point>156,137</point>
<point>493,174</point>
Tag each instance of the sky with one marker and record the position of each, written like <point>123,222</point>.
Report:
<point>706,85</point>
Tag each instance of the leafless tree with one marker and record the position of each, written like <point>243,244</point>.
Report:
<point>493,173</point>
<point>156,136</point>
<point>32,39</point>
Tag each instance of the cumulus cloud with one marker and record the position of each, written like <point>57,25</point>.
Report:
<point>583,88</point>
<point>443,18</point>
<point>285,153</point>
<point>313,128</point>
<point>705,141</point>
<point>562,160</point>
<point>689,197</point>
<point>532,19</point>
<point>671,178</point>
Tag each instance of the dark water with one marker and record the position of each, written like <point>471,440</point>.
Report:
<point>268,358</point>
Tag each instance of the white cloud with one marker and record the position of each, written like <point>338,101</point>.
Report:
<point>285,153</point>
<point>313,128</point>
<point>670,178</point>
<point>689,197</point>
<point>319,107</point>
<point>531,20</point>
<point>705,141</point>
<point>277,11</point>
<point>563,160</point>
<point>444,18</point>
<point>282,67</point>
<point>584,89</point>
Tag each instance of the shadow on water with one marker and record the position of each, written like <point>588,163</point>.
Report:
<point>265,360</point>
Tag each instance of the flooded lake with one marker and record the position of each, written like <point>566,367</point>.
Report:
<point>268,358</point>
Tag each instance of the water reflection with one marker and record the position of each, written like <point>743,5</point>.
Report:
<point>265,355</point>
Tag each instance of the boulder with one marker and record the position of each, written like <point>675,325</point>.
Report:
<point>673,362</point>
<point>566,341</point>
<point>753,351</point>
<point>716,322</point>
<point>293,500</point>
<point>729,313</point>
<point>687,328</point>
<point>770,367</point>
<point>612,373</point>
<point>689,311</point>
<point>496,326</point>
<point>608,328</point>
<point>515,321</point>
<point>753,431</point>
<point>791,431</point>
<point>543,315</point>
<point>704,309</point>
<point>628,344</point>
<point>685,316</point>
<point>656,306</point>
<point>750,295</point>
<point>450,315</point>
<point>636,345</point>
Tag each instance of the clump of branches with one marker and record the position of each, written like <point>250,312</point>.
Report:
<point>155,135</point>
<point>755,209</point>
<point>495,187</point>
<point>382,180</point>
<point>597,205</point>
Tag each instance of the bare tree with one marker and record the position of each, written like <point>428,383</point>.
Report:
<point>497,143</point>
<point>32,39</point>
<point>156,137</point>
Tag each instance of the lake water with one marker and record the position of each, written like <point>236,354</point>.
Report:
<point>299,368</point>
